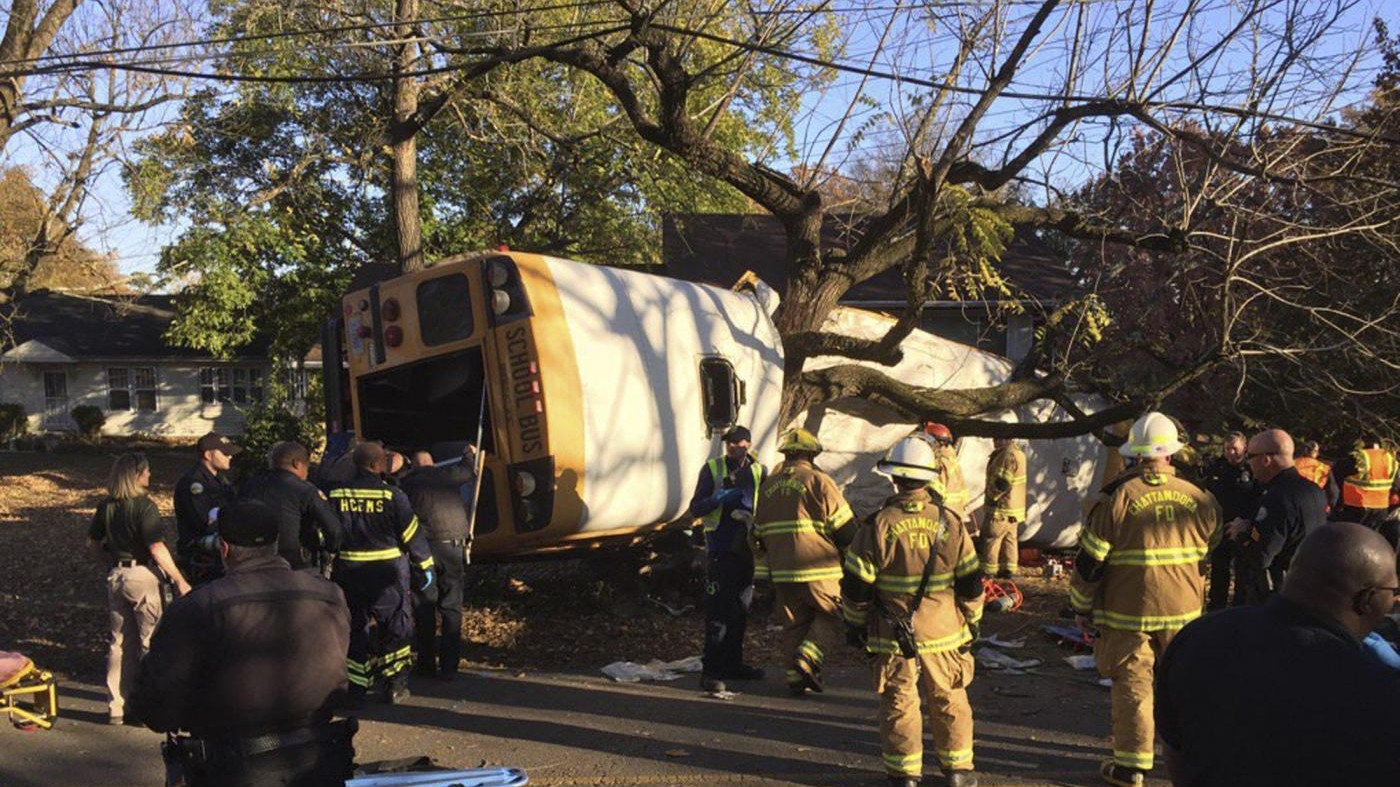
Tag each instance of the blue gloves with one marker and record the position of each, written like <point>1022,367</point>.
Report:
<point>728,497</point>
<point>427,580</point>
<point>1378,649</point>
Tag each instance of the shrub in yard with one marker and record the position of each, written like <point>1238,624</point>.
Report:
<point>89,420</point>
<point>13,420</point>
<point>270,422</point>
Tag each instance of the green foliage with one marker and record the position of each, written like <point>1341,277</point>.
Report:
<point>89,419</point>
<point>972,238</point>
<point>277,419</point>
<point>14,422</point>
<point>283,186</point>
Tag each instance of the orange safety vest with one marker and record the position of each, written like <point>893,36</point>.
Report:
<point>1370,487</point>
<point>1315,470</point>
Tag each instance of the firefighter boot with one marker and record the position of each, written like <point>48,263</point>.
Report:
<point>903,781</point>
<point>962,779</point>
<point>1120,775</point>
<point>397,692</point>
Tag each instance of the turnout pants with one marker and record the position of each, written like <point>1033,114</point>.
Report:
<point>1000,546</point>
<point>381,620</point>
<point>441,653</point>
<point>942,679</point>
<point>133,610</point>
<point>811,618</point>
<point>1129,658</point>
<point>728,576</point>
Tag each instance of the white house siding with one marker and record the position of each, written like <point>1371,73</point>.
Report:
<point>179,411</point>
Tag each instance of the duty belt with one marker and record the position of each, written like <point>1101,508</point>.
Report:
<point>455,542</point>
<point>207,749</point>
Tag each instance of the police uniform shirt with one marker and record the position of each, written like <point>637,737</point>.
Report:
<point>196,494</point>
<point>258,651</point>
<point>127,528</point>
<point>1274,694</point>
<point>306,524</point>
<point>1292,507</point>
<point>438,497</point>
<point>1233,487</point>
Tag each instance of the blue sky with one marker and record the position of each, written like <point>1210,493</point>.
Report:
<point>911,49</point>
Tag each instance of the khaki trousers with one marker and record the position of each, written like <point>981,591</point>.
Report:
<point>811,617</point>
<point>1000,545</point>
<point>133,609</point>
<point>942,678</point>
<point>1128,658</point>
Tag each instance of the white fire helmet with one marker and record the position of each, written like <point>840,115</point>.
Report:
<point>1154,434</point>
<point>912,457</point>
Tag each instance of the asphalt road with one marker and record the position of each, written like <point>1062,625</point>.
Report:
<point>584,729</point>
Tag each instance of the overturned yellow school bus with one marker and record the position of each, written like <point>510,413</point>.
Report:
<point>596,393</point>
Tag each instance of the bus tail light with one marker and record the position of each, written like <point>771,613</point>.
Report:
<point>390,310</point>
<point>393,336</point>
<point>532,486</point>
<point>497,274</point>
<point>506,291</point>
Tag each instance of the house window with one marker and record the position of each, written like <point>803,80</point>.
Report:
<point>239,385</point>
<point>719,390</point>
<point>131,388</point>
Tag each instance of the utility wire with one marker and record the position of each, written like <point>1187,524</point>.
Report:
<point>465,17</point>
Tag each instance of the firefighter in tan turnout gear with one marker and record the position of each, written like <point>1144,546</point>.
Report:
<point>1140,574</point>
<point>803,522</point>
<point>949,481</point>
<point>921,640</point>
<point>1004,509</point>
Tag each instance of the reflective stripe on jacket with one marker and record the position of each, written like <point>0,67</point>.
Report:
<point>1006,483</point>
<point>1315,470</point>
<point>889,552</point>
<point>949,482</point>
<point>1375,475</point>
<point>379,523</point>
<point>1143,551</point>
<point>802,520</point>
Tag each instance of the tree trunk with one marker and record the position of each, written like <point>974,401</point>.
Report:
<point>811,295</point>
<point>403,179</point>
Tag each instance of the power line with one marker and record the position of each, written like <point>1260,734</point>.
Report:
<point>465,17</point>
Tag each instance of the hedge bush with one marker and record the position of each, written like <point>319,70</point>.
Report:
<point>14,422</point>
<point>89,419</point>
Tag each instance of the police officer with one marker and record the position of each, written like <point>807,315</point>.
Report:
<point>803,523</point>
<point>1005,508</point>
<point>1229,479</point>
<point>383,549</point>
<point>199,493</point>
<point>250,666</point>
<point>724,503</point>
<point>921,641</point>
<point>1139,574</point>
<point>307,527</point>
<point>440,496</point>
<point>1290,508</point>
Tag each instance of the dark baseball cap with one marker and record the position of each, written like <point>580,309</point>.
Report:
<point>217,442</point>
<point>737,434</point>
<point>248,523</point>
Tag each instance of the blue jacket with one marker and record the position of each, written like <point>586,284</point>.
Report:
<point>379,523</point>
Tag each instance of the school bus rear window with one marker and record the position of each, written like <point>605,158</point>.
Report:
<point>444,309</point>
